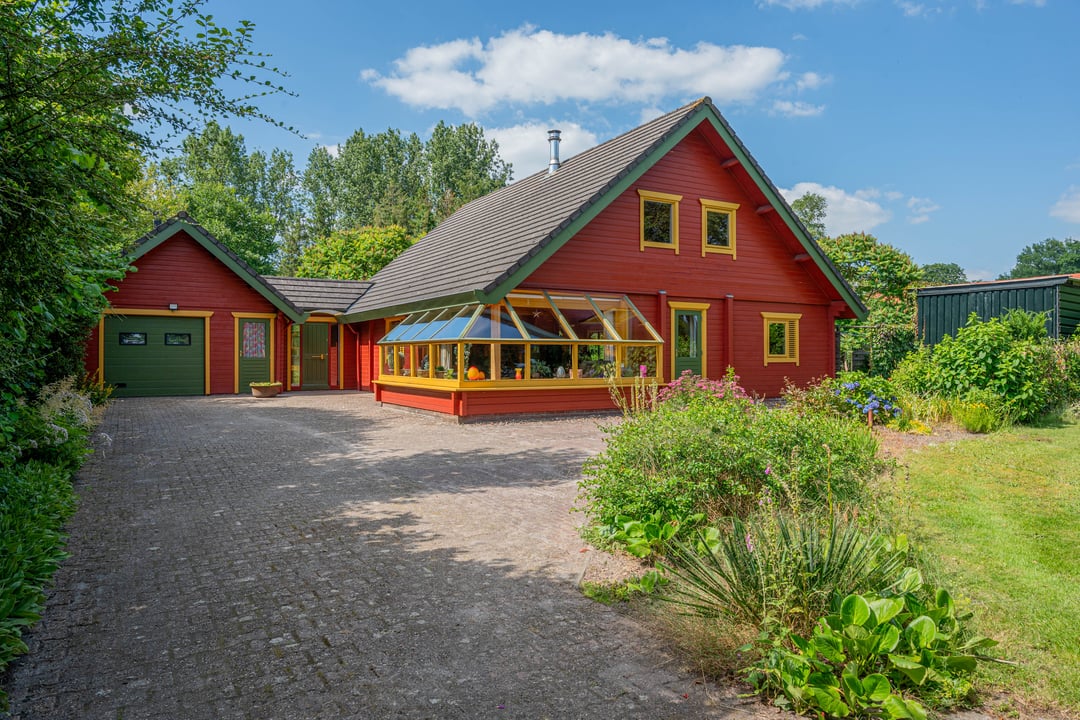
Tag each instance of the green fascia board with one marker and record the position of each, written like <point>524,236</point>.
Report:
<point>215,248</point>
<point>438,303</point>
<point>788,216</point>
<point>587,214</point>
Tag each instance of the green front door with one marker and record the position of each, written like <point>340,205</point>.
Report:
<point>150,355</point>
<point>315,349</point>
<point>688,345</point>
<point>253,365</point>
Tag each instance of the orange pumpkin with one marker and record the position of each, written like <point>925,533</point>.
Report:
<point>474,373</point>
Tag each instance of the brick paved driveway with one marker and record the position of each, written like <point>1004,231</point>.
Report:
<point>316,556</point>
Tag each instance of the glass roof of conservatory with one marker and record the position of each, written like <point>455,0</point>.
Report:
<point>529,317</point>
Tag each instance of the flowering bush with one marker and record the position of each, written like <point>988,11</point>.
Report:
<point>865,395</point>
<point>689,386</point>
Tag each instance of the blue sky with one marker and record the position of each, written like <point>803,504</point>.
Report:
<point>948,128</point>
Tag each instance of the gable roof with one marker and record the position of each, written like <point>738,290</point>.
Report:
<point>490,245</point>
<point>319,294</point>
<point>183,222</point>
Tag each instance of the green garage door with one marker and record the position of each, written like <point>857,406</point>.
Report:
<point>146,355</point>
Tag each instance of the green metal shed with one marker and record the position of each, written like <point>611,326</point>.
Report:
<point>944,309</point>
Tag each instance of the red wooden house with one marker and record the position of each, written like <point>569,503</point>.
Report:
<point>194,319</point>
<point>662,250</point>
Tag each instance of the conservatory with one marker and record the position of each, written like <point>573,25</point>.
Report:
<point>530,339</point>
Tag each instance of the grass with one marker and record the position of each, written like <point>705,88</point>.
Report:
<point>1002,516</point>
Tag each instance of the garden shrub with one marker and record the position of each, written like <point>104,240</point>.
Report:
<point>703,450</point>
<point>43,444</point>
<point>1008,357</point>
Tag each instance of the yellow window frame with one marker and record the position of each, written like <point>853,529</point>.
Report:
<point>726,208</point>
<point>790,322</point>
<point>645,196</point>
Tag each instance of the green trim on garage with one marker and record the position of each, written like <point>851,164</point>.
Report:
<point>148,355</point>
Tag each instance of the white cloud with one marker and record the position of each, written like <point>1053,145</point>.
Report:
<point>334,149</point>
<point>920,209</point>
<point>1035,3</point>
<point>980,274</point>
<point>810,81</point>
<point>526,145</point>
<point>805,4</point>
<point>1067,207</point>
<point>531,66</point>
<point>847,212</point>
<point>796,109</point>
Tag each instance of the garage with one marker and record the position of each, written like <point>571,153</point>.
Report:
<point>154,355</point>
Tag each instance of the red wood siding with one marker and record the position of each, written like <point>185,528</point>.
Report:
<point>605,256</point>
<point>181,271</point>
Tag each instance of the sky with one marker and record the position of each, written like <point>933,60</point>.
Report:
<point>947,128</point>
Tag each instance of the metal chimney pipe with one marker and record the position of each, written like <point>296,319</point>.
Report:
<point>553,144</point>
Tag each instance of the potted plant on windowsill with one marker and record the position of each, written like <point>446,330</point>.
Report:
<point>265,389</point>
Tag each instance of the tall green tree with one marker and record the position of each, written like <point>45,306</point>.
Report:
<point>394,179</point>
<point>251,202</point>
<point>884,277</point>
<point>1049,257</point>
<point>812,210</point>
<point>943,274</point>
<point>355,254</point>
<point>87,87</point>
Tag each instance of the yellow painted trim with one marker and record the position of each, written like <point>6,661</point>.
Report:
<point>237,316</point>
<point>323,319</point>
<point>673,200</point>
<point>160,313</point>
<point>703,308</point>
<point>793,344</point>
<point>721,207</point>
<point>204,314</point>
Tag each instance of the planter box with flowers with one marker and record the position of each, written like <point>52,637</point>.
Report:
<point>265,389</point>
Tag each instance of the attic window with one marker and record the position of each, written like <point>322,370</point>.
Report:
<point>718,227</point>
<point>659,220</point>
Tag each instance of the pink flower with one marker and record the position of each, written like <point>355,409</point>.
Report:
<point>749,542</point>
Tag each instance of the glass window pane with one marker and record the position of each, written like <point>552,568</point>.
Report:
<point>509,360</point>
<point>640,361</point>
<point>404,359</point>
<point>477,361</point>
<point>687,334</point>
<point>537,316</point>
<point>253,340</point>
<point>777,338</point>
<point>418,325</point>
<point>387,360</point>
<point>401,328</point>
<point>656,219</point>
<point>717,228</point>
<point>495,323</point>
<point>294,347</point>
<point>423,360</point>
<point>438,320</point>
<point>594,361</point>
<point>456,326</point>
<point>550,362</point>
<point>132,338</point>
<point>582,317</point>
<point>446,361</point>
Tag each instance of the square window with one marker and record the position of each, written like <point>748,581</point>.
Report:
<point>180,339</point>
<point>781,337</point>
<point>718,227</point>
<point>659,220</point>
<point>132,338</point>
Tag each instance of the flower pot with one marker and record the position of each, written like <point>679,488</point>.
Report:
<point>266,391</point>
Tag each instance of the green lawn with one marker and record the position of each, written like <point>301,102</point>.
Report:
<point>1001,513</point>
